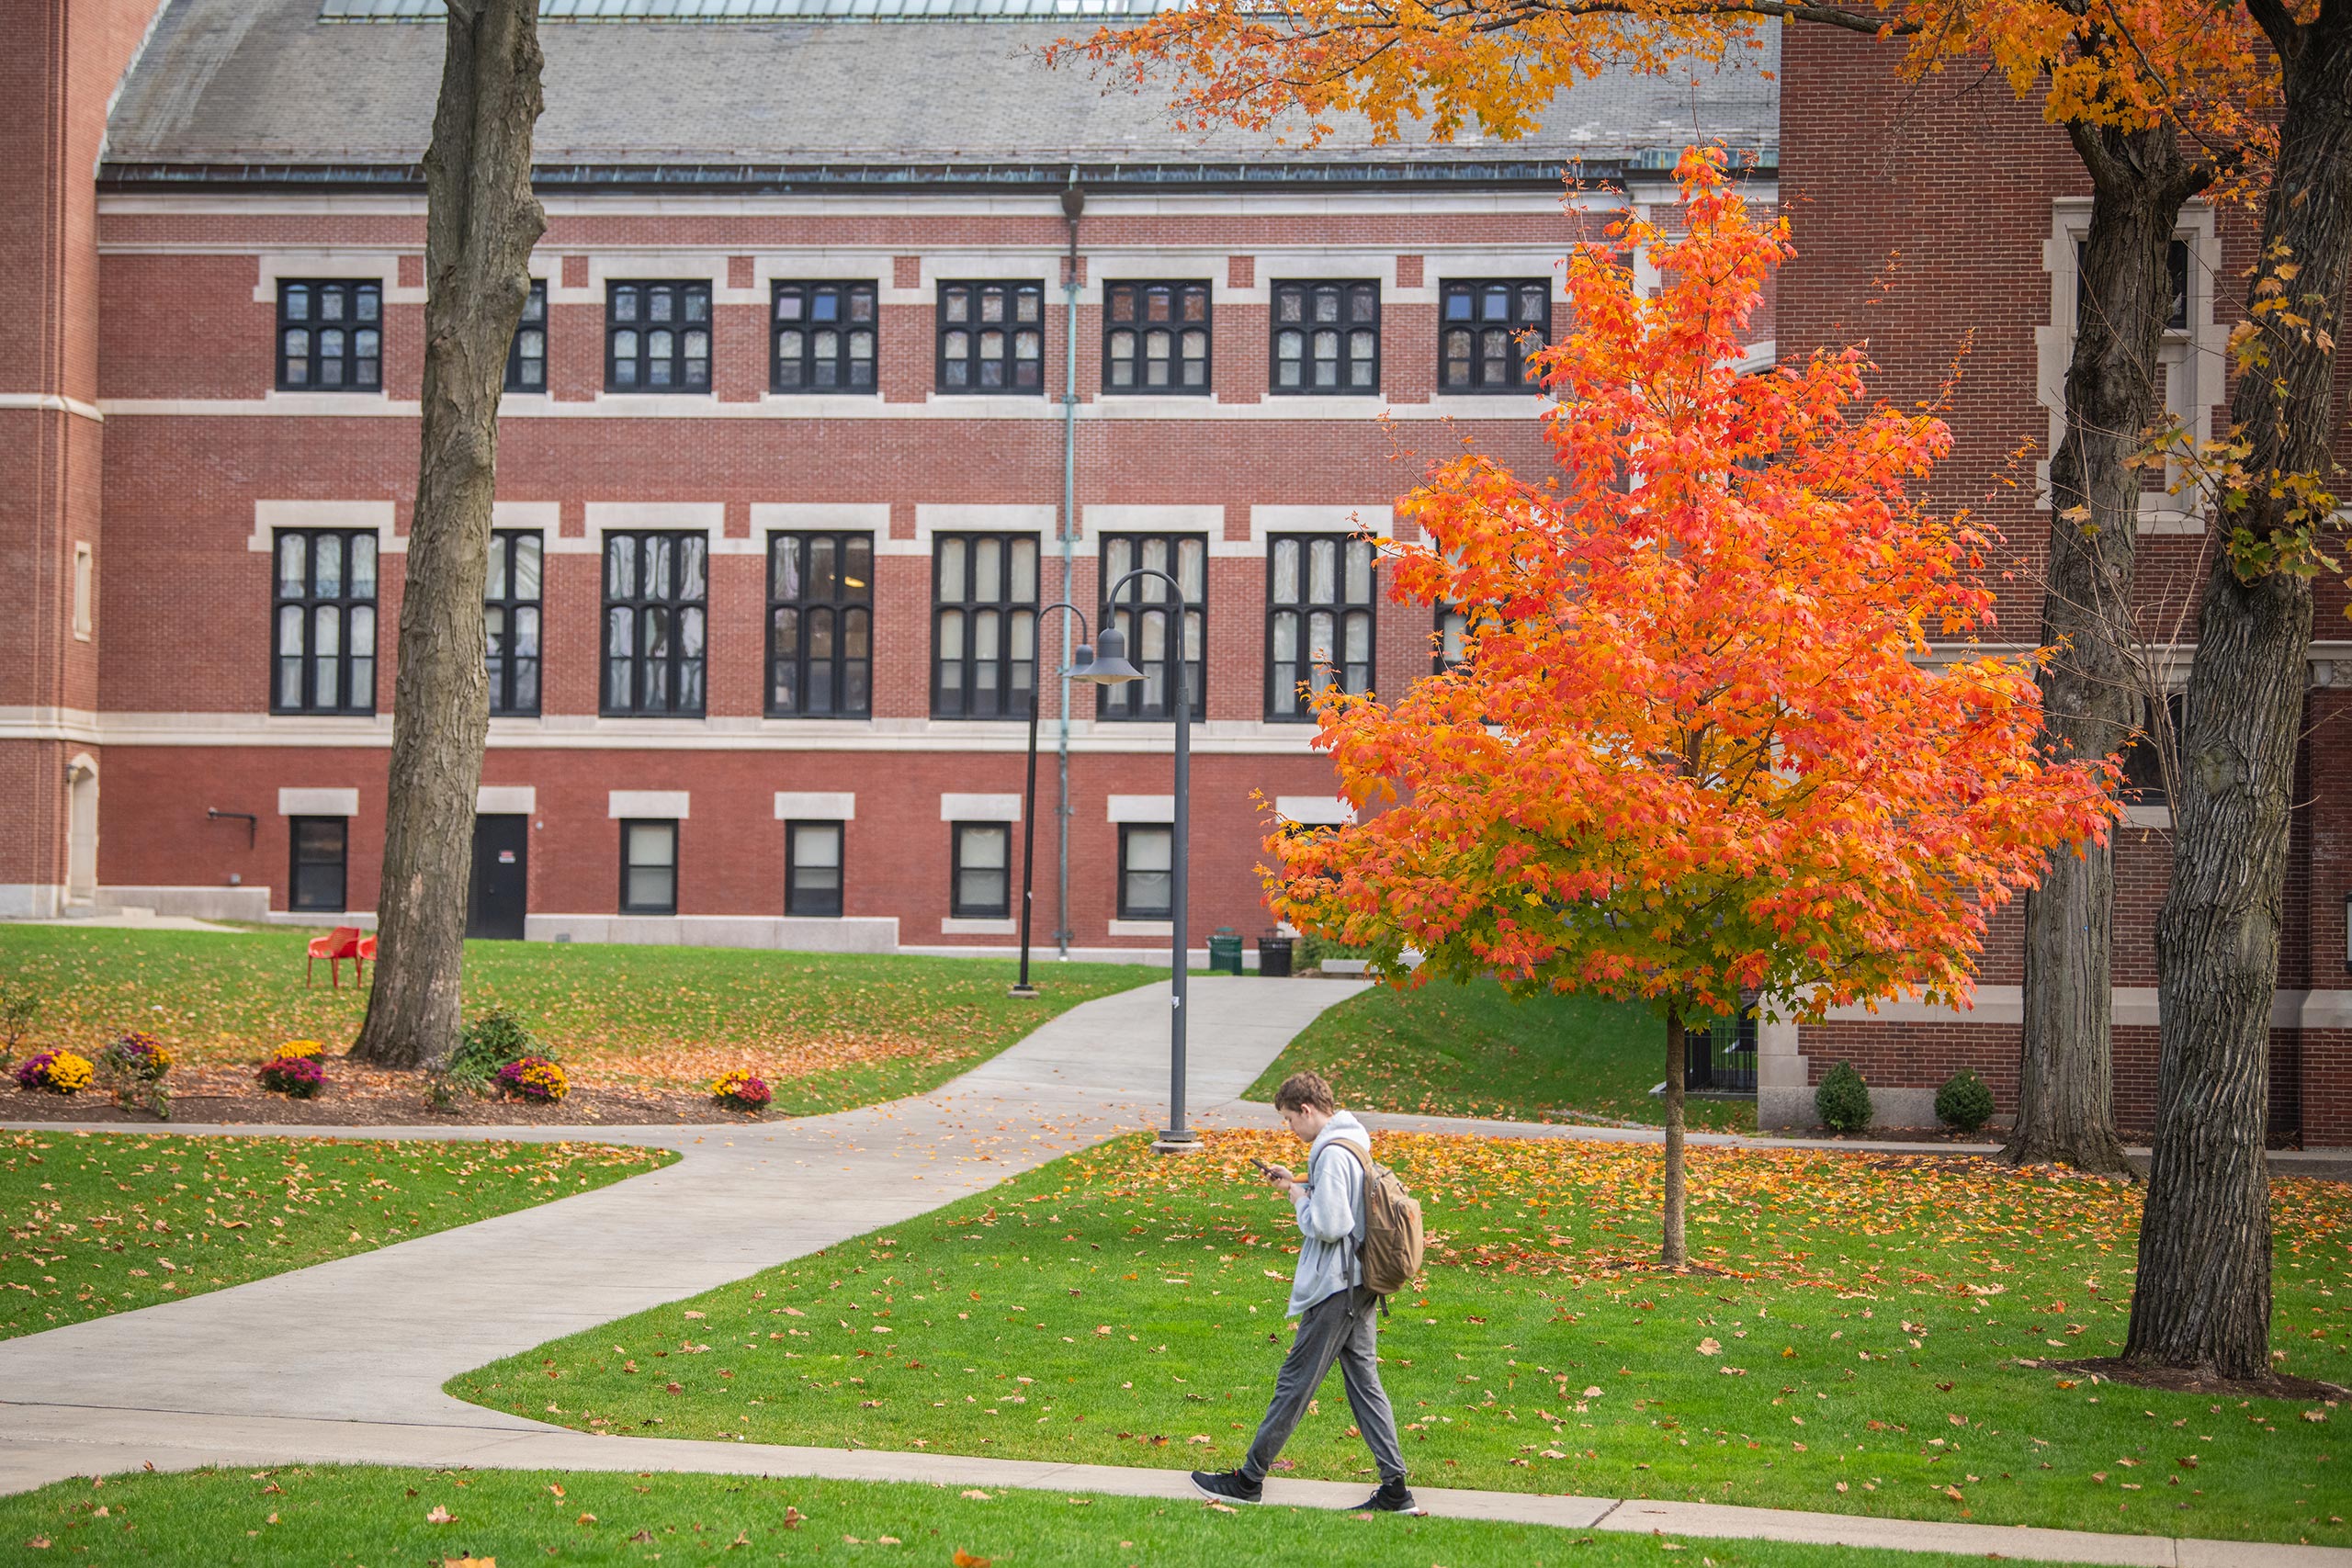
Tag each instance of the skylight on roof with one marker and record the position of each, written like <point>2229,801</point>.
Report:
<point>764,10</point>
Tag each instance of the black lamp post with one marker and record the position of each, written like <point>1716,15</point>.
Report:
<point>1110,667</point>
<point>1080,662</point>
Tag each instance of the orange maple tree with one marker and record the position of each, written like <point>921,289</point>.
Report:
<point>1698,746</point>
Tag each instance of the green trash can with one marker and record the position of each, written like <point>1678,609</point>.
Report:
<point>1225,951</point>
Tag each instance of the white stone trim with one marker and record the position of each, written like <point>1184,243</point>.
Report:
<point>544,515</point>
<point>506,800</point>
<point>967,406</point>
<point>624,516</point>
<point>814,805</point>
<point>378,265</point>
<point>1378,519</point>
<point>652,804</point>
<point>271,515</point>
<point>980,808</point>
<point>846,516</point>
<point>31,900</point>
<point>1314,810</point>
<point>979,927</point>
<point>2147,815</point>
<point>318,803</point>
<point>787,933</point>
<point>53,401</point>
<point>1143,928</point>
<point>1158,809</point>
<point>622,264</point>
<point>932,518</point>
<point>2195,362</point>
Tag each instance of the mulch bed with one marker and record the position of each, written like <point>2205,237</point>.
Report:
<point>358,1095</point>
<point>2176,1380</point>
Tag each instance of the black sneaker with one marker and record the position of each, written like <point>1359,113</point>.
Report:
<point>1394,1498</point>
<point>1227,1486</point>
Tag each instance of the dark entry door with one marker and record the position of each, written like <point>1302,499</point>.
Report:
<point>499,892</point>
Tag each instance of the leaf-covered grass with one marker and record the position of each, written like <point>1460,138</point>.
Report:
<point>1470,1050</point>
<point>1857,1354</point>
<point>827,1031</point>
<point>303,1518</point>
<point>106,1222</point>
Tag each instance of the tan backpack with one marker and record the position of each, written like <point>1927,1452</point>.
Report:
<point>1392,1226</point>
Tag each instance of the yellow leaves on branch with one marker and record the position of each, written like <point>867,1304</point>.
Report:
<point>1700,742</point>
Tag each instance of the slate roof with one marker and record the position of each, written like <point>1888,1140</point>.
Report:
<point>247,91</point>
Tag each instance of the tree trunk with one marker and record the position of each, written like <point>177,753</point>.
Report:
<point>2203,1301</point>
<point>1674,1254</point>
<point>2090,697</point>
<point>481,222</point>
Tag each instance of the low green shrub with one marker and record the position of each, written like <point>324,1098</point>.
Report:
<point>1965,1102</point>
<point>1843,1099</point>
<point>489,1042</point>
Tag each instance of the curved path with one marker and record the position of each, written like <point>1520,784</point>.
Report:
<point>344,1362</point>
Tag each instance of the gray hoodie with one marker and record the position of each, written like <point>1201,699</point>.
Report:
<point>1330,1215</point>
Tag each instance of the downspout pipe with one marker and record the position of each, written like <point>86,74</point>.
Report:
<point>1073,203</point>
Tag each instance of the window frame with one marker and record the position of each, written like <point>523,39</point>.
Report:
<point>690,289</point>
<point>956,908</point>
<point>295,862</point>
<point>1128,704</point>
<point>508,543</point>
<point>807,289</point>
<point>1015,290</point>
<point>1445,611</point>
<point>628,825</point>
<point>1128,910</point>
<point>674,666</point>
<point>843,604</point>
<point>1516,331</point>
<point>1275,325</point>
<point>309,602</point>
<point>792,867</point>
<point>1013,611</point>
<point>1306,608</point>
<point>535,299</point>
<point>361,294</point>
<point>1180,291</point>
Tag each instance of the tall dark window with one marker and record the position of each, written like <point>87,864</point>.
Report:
<point>1156,337</point>
<point>1487,329</point>
<point>983,625</point>
<point>1446,647</point>
<point>656,596</point>
<point>321,855</point>
<point>323,635</point>
<point>1327,337</point>
<point>527,354</point>
<point>821,625</point>
<point>330,336</point>
<point>2145,783</point>
<point>657,337</point>
<point>812,868</point>
<point>2176,284</point>
<point>1146,854</point>
<point>1319,619</point>
<point>982,872</point>
<point>510,613</point>
<point>1145,615</point>
<point>824,337</point>
<point>649,867</point>
<point>991,337</point>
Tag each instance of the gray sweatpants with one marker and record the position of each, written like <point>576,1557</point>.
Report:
<point>1343,1326</point>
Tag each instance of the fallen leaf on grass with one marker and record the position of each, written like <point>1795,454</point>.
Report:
<point>976,1494</point>
<point>585,1520</point>
<point>792,1516</point>
<point>965,1560</point>
<point>440,1516</point>
<point>1709,1347</point>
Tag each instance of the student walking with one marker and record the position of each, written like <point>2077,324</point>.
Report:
<point>1338,1313</point>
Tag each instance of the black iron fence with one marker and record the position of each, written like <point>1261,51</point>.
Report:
<point>1719,1055</point>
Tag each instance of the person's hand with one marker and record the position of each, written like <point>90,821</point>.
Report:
<point>1280,1175</point>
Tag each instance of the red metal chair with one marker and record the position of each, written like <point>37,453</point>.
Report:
<point>343,941</point>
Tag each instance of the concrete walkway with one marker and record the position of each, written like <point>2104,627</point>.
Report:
<point>218,1378</point>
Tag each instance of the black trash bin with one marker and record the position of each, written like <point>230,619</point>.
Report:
<point>1273,956</point>
<point>1225,951</point>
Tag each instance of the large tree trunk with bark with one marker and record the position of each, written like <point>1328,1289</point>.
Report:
<point>480,224</point>
<point>2203,1301</point>
<point>2090,696</point>
<point>1674,1253</point>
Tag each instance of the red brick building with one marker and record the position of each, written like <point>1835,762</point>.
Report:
<point>784,453</point>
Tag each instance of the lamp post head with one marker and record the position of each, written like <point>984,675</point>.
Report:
<point>1081,662</point>
<point>1110,666</point>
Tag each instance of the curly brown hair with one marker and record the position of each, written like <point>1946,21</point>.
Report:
<point>1302,1090</point>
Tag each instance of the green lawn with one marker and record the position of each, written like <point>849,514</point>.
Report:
<point>1457,1050</point>
<point>106,1222</point>
<point>322,1517</point>
<point>1856,1355</point>
<point>827,1031</point>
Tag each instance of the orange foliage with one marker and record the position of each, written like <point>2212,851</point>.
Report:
<point>1496,64</point>
<point>1698,742</point>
